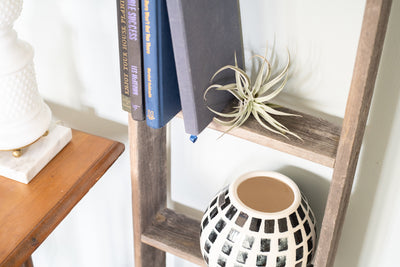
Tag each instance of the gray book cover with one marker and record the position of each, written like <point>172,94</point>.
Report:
<point>205,36</point>
<point>135,66</point>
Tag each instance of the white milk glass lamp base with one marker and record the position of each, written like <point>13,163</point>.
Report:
<point>17,135</point>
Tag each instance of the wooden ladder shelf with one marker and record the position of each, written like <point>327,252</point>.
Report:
<point>158,229</point>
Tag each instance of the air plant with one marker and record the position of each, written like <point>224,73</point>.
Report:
<point>253,99</point>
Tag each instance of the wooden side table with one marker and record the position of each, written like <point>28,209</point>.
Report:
<point>29,213</point>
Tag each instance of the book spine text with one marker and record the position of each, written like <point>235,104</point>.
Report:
<point>150,62</point>
<point>134,40</point>
<point>123,55</point>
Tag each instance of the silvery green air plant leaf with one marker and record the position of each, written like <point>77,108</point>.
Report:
<point>253,99</point>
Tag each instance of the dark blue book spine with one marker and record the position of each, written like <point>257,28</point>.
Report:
<point>150,56</point>
<point>161,85</point>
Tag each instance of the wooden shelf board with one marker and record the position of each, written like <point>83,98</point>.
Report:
<point>29,213</point>
<point>319,142</point>
<point>170,231</point>
<point>176,234</point>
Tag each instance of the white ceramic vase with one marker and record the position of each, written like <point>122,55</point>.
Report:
<point>236,232</point>
<point>24,117</point>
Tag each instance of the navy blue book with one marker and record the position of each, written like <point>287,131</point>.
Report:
<point>162,99</point>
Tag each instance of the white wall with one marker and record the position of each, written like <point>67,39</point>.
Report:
<point>76,57</point>
<point>77,66</point>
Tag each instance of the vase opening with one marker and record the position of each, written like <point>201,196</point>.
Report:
<point>265,194</point>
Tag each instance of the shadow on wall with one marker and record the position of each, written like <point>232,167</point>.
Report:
<point>377,135</point>
<point>88,121</point>
<point>314,187</point>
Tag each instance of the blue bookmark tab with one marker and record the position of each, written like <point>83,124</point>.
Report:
<point>193,138</point>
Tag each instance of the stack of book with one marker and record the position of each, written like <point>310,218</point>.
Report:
<point>169,50</point>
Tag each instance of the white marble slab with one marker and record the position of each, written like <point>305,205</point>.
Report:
<point>34,157</point>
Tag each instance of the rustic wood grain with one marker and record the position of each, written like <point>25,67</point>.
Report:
<point>29,213</point>
<point>365,71</point>
<point>320,144</point>
<point>149,185</point>
<point>176,234</point>
<point>319,137</point>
